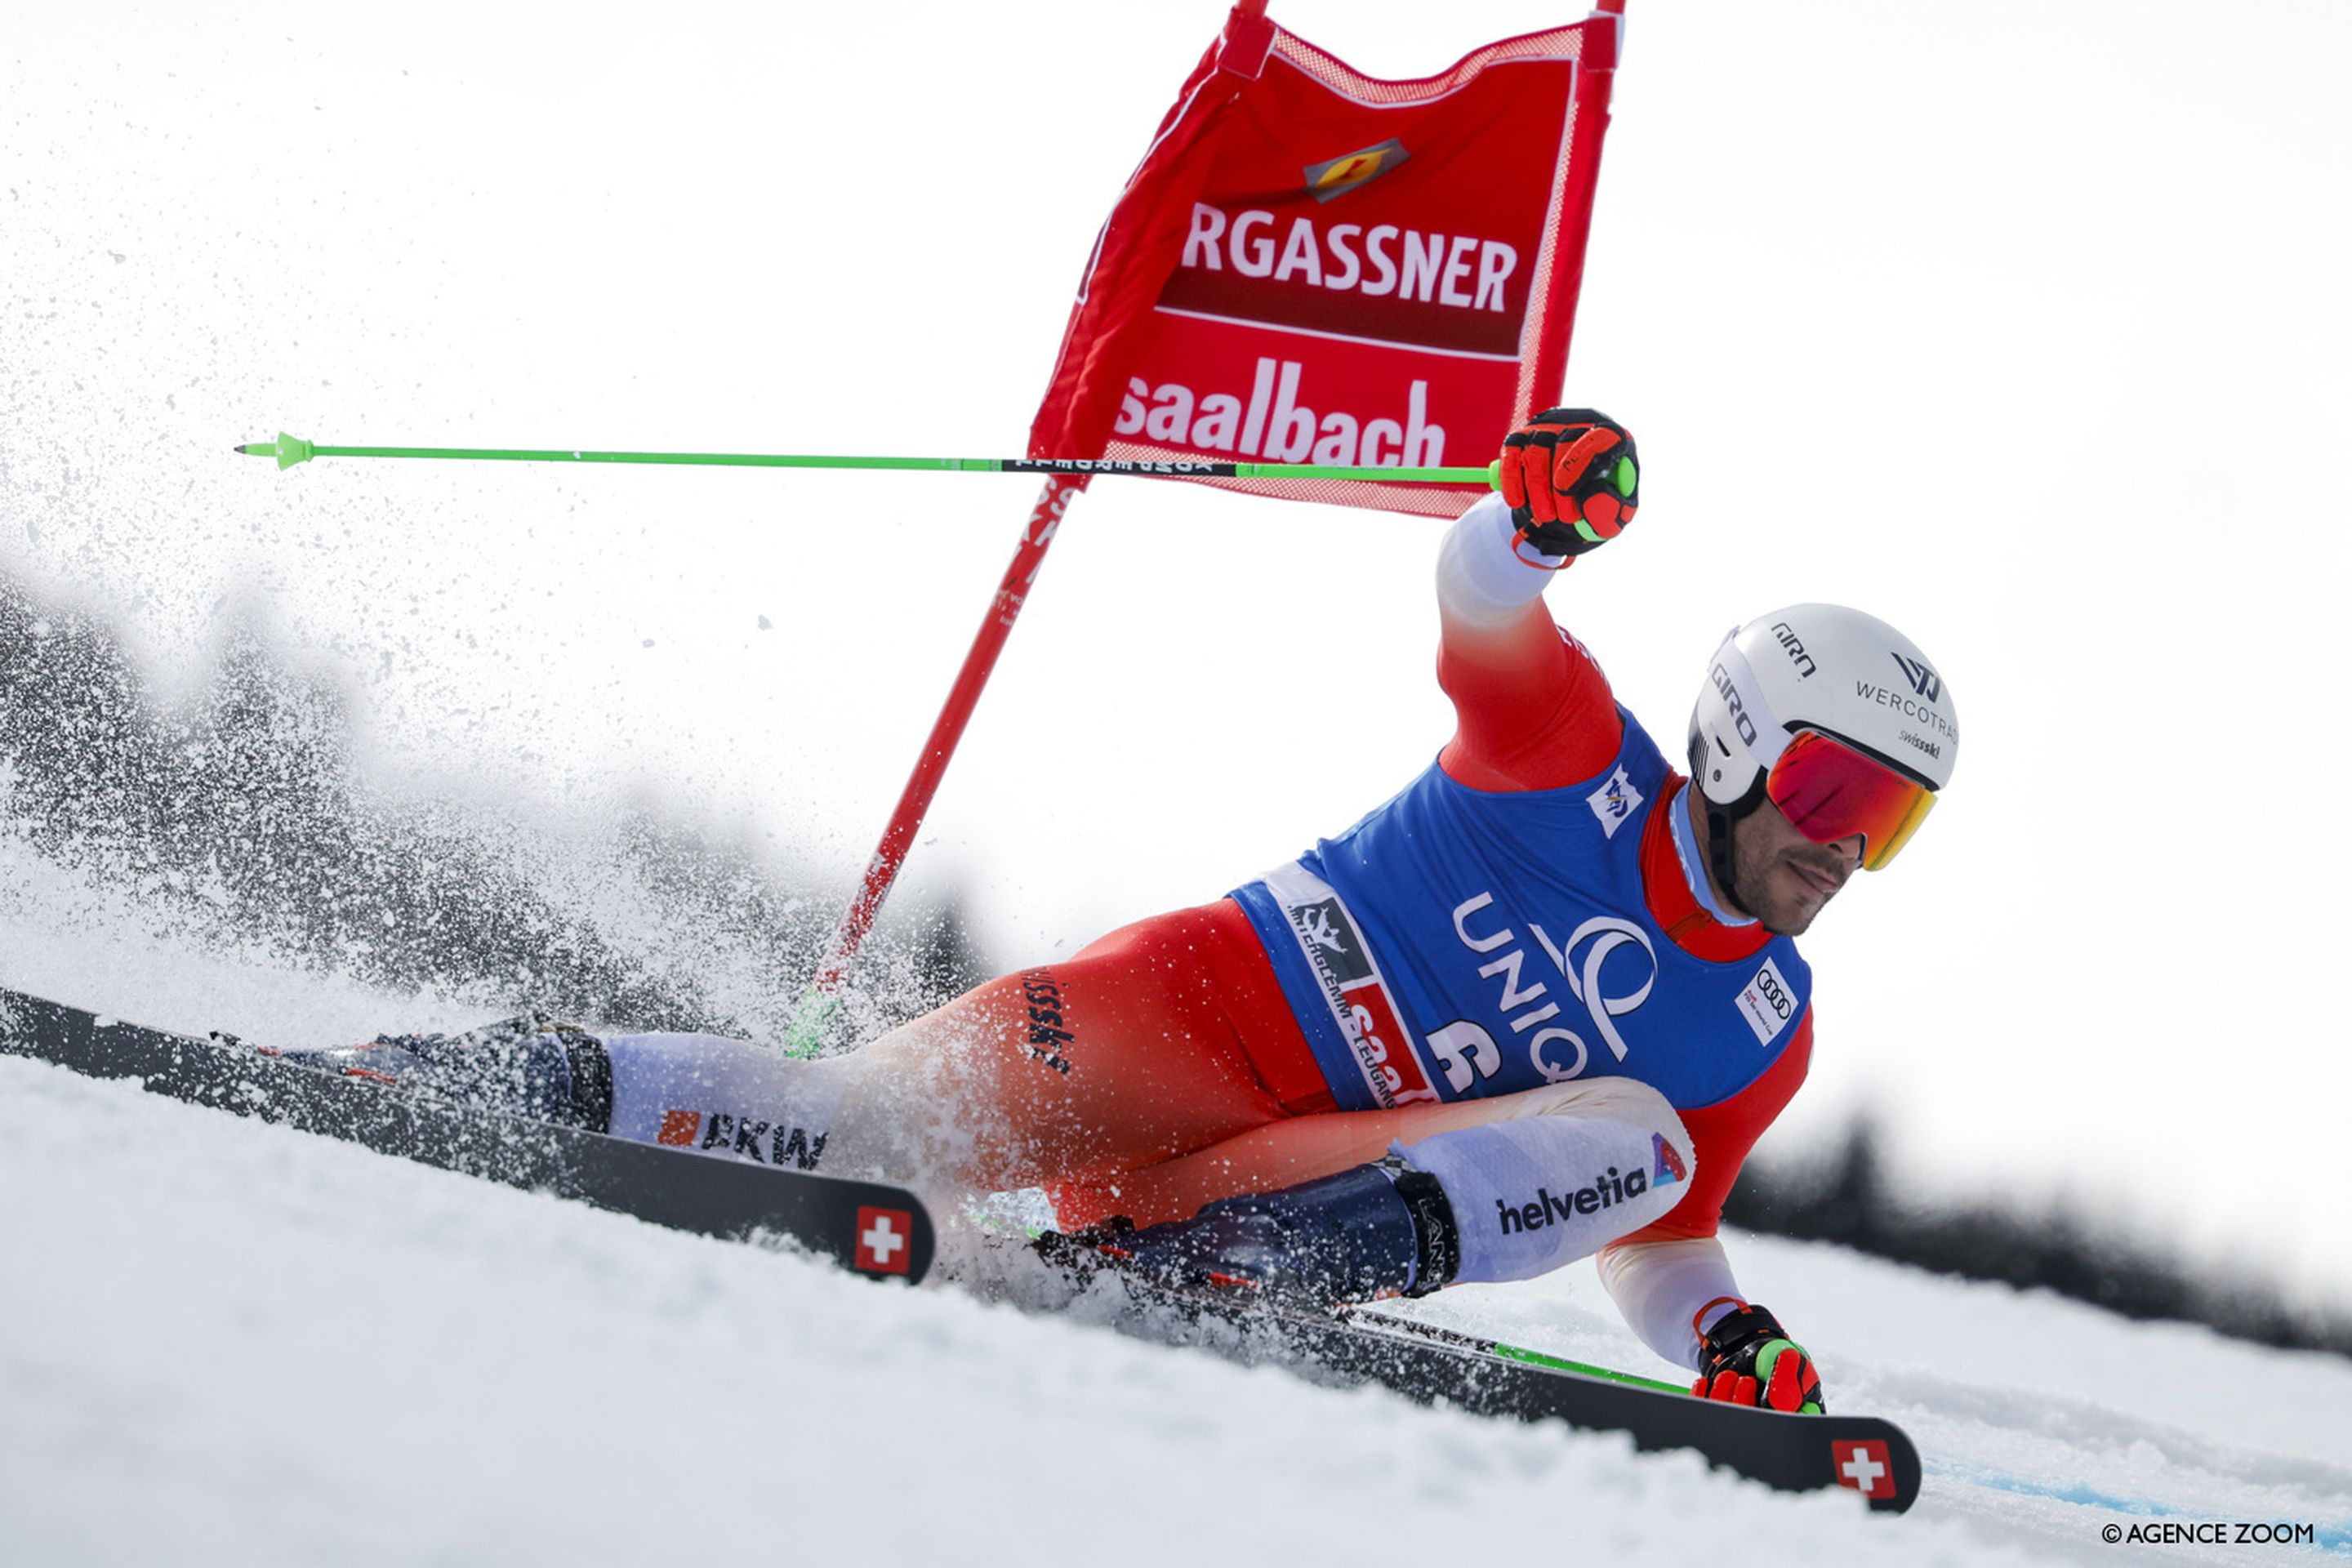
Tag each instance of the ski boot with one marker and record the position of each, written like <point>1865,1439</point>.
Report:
<point>1381,1229</point>
<point>531,1066</point>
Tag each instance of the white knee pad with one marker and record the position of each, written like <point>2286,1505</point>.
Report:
<point>1563,1170</point>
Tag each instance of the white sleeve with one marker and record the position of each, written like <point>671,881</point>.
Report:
<point>1480,577</point>
<point>1660,1285</point>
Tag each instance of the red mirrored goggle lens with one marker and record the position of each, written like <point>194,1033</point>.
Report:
<point>1829,791</point>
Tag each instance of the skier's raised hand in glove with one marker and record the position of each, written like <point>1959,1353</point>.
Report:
<point>1572,479</point>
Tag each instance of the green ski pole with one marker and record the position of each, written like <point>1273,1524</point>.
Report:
<point>291,449</point>
<point>1433,1332</point>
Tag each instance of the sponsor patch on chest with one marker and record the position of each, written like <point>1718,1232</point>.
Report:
<point>1614,802</point>
<point>1767,1002</point>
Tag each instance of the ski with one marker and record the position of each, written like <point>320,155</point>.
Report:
<point>1433,1365</point>
<point>869,1227</point>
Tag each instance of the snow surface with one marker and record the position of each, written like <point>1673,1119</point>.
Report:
<point>223,1342</point>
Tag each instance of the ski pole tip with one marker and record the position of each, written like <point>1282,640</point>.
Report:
<point>287,449</point>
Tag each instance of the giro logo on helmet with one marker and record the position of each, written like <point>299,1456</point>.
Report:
<point>1794,646</point>
<point>1739,718</point>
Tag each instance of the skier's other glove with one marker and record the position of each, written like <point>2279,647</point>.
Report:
<point>1572,479</point>
<point>1749,1358</point>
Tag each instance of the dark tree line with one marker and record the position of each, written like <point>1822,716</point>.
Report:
<point>240,817</point>
<point>1846,1198</point>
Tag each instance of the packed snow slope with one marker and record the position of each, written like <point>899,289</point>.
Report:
<point>223,1342</point>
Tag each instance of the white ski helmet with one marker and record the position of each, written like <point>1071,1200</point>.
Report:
<point>1834,673</point>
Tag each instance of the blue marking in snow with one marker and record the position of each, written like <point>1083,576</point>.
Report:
<point>2333,1538</point>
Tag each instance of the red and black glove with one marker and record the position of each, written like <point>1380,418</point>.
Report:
<point>1751,1359</point>
<point>1571,479</point>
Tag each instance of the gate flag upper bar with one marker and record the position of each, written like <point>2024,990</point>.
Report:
<point>1309,265</point>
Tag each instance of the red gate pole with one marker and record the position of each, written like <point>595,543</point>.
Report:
<point>931,765</point>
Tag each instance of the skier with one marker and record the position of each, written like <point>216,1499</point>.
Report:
<point>1536,1007</point>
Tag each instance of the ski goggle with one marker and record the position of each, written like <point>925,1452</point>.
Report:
<point>1829,791</point>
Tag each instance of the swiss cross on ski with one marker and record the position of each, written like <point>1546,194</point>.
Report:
<point>1865,1466</point>
<point>883,1240</point>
